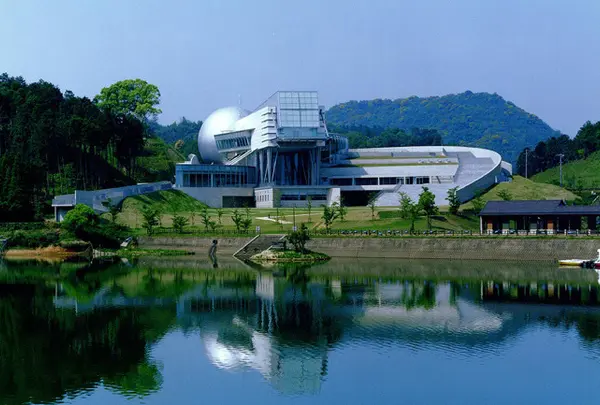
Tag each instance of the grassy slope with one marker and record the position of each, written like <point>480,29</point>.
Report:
<point>169,201</point>
<point>524,189</point>
<point>587,171</point>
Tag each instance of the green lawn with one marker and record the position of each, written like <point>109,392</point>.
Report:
<point>524,189</point>
<point>584,173</point>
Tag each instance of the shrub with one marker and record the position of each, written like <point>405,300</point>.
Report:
<point>33,239</point>
<point>79,218</point>
<point>299,238</point>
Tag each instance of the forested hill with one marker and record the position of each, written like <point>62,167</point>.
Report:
<point>182,135</point>
<point>471,119</point>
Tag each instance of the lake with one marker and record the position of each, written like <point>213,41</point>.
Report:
<point>182,331</point>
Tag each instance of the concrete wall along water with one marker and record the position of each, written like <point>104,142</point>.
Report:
<point>475,248</point>
<point>226,245</point>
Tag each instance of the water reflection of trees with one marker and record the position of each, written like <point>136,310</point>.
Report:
<point>46,353</point>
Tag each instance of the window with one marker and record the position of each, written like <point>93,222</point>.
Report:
<point>389,180</point>
<point>366,181</point>
<point>410,180</point>
<point>422,180</point>
<point>342,182</point>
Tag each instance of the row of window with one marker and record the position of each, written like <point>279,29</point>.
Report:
<point>234,143</point>
<point>217,180</point>
<point>374,181</point>
<point>303,197</point>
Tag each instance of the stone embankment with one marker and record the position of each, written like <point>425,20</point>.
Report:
<point>450,248</point>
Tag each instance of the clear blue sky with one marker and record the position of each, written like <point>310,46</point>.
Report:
<point>544,55</point>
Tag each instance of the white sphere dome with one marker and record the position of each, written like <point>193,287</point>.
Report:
<point>221,120</point>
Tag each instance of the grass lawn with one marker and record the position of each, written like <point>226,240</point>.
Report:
<point>586,172</point>
<point>358,218</point>
<point>523,189</point>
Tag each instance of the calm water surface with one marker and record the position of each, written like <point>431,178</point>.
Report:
<point>362,332</point>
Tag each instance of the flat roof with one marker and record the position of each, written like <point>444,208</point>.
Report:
<point>537,207</point>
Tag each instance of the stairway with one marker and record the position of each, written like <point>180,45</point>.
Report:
<point>257,245</point>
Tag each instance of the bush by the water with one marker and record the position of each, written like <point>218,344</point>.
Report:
<point>83,223</point>
<point>33,239</point>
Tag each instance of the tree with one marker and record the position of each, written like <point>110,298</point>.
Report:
<point>427,205</point>
<point>237,219</point>
<point>179,222</point>
<point>113,210</point>
<point>150,219</point>
<point>409,210</point>
<point>80,218</point>
<point>371,205</point>
<point>309,207</point>
<point>193,218</point>
<point>299,238</point>
<point>329,215</point>
<point>505,195</point>
<point>453,201</point>
<point>134,97</point>
<point>246,222</point>
<point>478,204</point>
<point>219,215</point>
<point>342,210</point>
<point>205,217</point>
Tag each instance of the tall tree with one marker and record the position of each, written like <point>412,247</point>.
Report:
<point>134,97</point>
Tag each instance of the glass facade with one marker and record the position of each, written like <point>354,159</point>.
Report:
<point>215,176</point>
<point>298,109</point>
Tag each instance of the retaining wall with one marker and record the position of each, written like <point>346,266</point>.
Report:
<point>225,244</point>
<point>524,249</point>
<point>458,248</point>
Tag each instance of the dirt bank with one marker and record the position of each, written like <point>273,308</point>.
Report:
<point>47,252</point>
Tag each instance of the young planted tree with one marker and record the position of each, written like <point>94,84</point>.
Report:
<point>427,205</point>
<point>409,210</point>
<point>309,207</point>
<point>246,222</point>
<point>237,219</point>
<point>193,218</point>
<point>219,215</point>
<point>342,210</point>
<point>206,221</point>
<point>150,219</point>
<point>179,222</point>
<point>329,215</point>
<point>299,238</point>
<point>371,205</point>
<point>453,201</point>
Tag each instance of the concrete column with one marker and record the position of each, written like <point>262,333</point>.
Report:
<point>269,164</point>
<point>260,167</point>
<point>318,179</point>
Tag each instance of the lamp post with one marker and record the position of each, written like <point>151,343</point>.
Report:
<point>526,162</point>
<point>294,215</point>
<point>560,156</point>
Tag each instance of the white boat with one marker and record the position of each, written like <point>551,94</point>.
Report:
<point>572,262</point>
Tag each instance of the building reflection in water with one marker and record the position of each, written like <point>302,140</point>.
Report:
<point>284,328</point>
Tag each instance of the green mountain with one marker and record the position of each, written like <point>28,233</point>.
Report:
<point>182,135</point>
<point>471,119</point>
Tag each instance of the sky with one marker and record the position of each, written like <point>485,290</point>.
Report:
<point>543,55</point>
